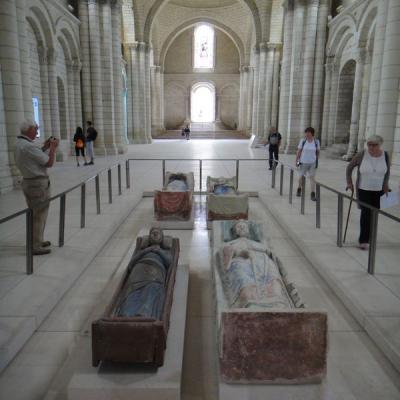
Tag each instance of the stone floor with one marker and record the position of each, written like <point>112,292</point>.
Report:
<point>357,369</point>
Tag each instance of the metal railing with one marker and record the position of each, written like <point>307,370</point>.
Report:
<point>375,212</point>
<point>62,196</point>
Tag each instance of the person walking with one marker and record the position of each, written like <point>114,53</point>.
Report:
<point>307,160</point>
<point>274,142</point>
<point>373,171</point>
<point>91,136</point>
<point>187,132</point>
<point>79,139</point>
<point>33,161</point>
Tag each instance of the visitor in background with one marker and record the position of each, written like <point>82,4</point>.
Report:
<point>187,132</point>
<point>373,170</point>
<point>274,141</point>
<point>79,139</point>
<point>307,160</point>
<point>91,136</point>
<point>33,161</point>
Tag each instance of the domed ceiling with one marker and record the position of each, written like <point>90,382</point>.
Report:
<point>203,3</point>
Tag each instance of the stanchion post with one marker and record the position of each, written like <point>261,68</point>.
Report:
<point>372,241</point>
<point>201,175</point>
<point>61,228</point>
<point>281,180</point>
<point>318,207</point>
<point>303,195</point>
<point>109,186</point>
<point>339,235</point>
<point>119,180</point>
<point>98,194</point>
<point>29,241</point>
<point>127,174</point>
<point>163,172</point>
<point>273,178</point>
<point>291,186</point>
<point>83,204</point>
<point>237,174</point>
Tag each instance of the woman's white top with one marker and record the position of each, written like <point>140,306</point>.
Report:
<point>308,154</point>
<point>372,172</point>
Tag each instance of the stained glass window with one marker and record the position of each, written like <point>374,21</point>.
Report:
<point>204,47</point>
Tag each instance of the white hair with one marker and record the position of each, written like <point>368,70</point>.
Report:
<point>26,125</point>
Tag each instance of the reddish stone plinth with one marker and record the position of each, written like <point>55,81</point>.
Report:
<point>273,346</point>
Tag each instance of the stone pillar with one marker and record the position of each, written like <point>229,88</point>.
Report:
<point>285,71</point>
<point>355,108</point>
<point>217,108</point>
<point>333,103</point>
<point>96,75</point>
<point>77,66</point>
<point>107,79</point>
<point>244,81</point>
<point>147,90</point>
<point>270,61</point>
<point>379,42</point>
<point>85,57</point>
<point>141,127</point>
<point>120,139</point>
<point>364,102</point>
<point>53,92</point>
<point>295,128</point>
<point>71,121</point>
<point>24,58</point>
<point>275,86</point>
<point>44,83</point>
<point>309,53</point>
<point>319,59</point>
<point>250,98</point>
<point>390,77</point>
<point>157,122</point>
<point>327,99</point>
<point>261,90</point>
<point>254,125</point>
<point>11,77</point>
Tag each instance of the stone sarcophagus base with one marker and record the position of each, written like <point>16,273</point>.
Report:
<point>273,346</point>
<point>170,204</point>
<point>135,339</point>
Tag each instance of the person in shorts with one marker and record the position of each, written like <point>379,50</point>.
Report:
<point>307,160</point>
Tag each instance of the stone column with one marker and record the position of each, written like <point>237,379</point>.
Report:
<point>270,61</point>
<point>244,80</point>
<point>120,139</point>
<point>107,79</point>
<point>285,71</point>
<point>85,57</point>
<point>275,86</point>
<point>309,53</point>
<point>217,108</point>
<point>147,89</point>
<point>11,77</point>
<point>131,77</point>
<point>96,75</point>
<point>157,122</point>
<point>250,99</point>
<point>261,90</point>
<point>254,125</point>
<point>355,108</point>
<point>44,83</point>
<point>77,66</point>
<point>379,42</point>
<point>390,77</point>
<point>333,103</point>
<point>295,128</point>
<point>53,92</point>
<point>71,121</point>
<point>327,99</point>
<point>24,58</point>
<point>319,59</point>
<point>364,102</point>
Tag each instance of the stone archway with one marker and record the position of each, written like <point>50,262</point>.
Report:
<point>202,102</point>
<point>344,103</point>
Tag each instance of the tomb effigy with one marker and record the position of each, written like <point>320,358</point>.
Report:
<point>135,324</point>
<point>265,333</point>
<point>223,200</point>
<point>175,200</point>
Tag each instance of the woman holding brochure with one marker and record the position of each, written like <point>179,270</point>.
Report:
<point>373,170</point>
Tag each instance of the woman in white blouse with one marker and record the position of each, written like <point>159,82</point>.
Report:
<point>373,170</point>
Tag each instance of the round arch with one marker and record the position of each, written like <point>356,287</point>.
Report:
<point>188,24</point>
<point>158,4</point>
<point>348,23</point>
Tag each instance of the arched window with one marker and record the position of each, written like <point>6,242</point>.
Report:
<point>202,102</point>
<point>204,47</point>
